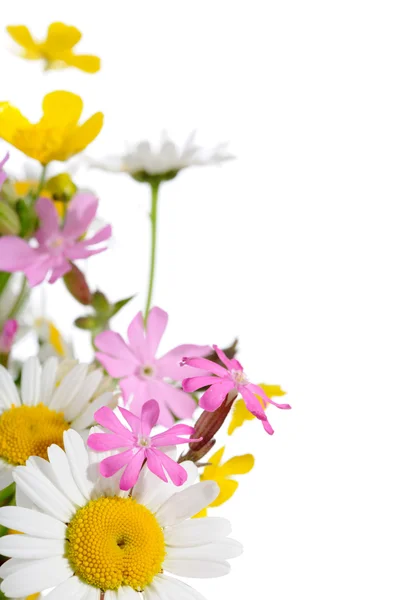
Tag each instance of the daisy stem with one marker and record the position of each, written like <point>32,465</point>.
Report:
<point>19,301</point>
<point>155,185</point>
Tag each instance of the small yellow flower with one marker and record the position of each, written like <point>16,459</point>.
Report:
<point>57,136</point>
<point>222,473</point>
<point>56,50</point>
<point>240,414</point>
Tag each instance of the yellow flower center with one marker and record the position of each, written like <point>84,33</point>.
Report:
<point>28,431</point>
<point>113,542</point>
<point>42,142</point>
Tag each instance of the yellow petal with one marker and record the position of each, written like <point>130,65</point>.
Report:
<point>61,37</point>
<point>272,391</point>
<point>33,597</point>
<point>85,134</point>
<point>22,36</point>
<point>85,62</point>
<point>11,120</point>
<point>209,472</point>
<point>227,488</point>
<point>201,514</point>
<point>238,465</point>
<point>240,414</point>
<point>61,109</point>
<point>55,339</point>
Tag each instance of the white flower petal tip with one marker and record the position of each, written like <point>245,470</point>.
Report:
<point>185,504</point>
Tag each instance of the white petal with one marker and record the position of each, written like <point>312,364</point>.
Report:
<point>30,381</point>
<point>127,593</point>
<point>173,588</point>
<point>218,551</point>
<point>86,419</point>
<point>48,380</point>
<point>71,589</point>
<point>8,391</point>
<point>183,505</point>
<point>44,494</point>
<point>150,593</point>
<point>22,500</point>
<point>38,576</point>
<point>6,475</point>
<point>32,522</point>
<point>68,388</point>
<point>196,532</point>
<point>24,546</point>
<point>78,459</point>
<point>62,471</point>
<point>91,593</point>
<point>13,565</point>
<point>110,595</point>
<point>84,395</point>
<point>203,569</point>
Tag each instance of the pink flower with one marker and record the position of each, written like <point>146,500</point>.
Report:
<point>225,380</point>
<point>144,376</point>
<point>3,175</point>
<point>141,446</point>
<point>7,335</point>
<point>56,245</point>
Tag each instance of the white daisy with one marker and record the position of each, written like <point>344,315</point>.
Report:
<point>53,398</point>
<point>90,541</point>
<point>143,161</point>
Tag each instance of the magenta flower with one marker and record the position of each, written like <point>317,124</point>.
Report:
<point>141,446</point>
<point>143,376</point>
<point>3,174</point>
<point>56,245</point>
<point>224,380</point>
<point>7,335</point>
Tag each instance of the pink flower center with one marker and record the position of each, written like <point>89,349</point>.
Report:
<point>144,442</point>
<point>239,377</point>
<point>147,371</point>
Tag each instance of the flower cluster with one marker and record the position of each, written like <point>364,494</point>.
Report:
<point>90,477</point>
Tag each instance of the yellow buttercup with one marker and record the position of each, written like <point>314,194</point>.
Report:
<point>56,50</point>
<point>57,136</point>
<point>221,473</point>
<point>240,413</point>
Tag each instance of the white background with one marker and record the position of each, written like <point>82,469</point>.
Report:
<point>294,247</point>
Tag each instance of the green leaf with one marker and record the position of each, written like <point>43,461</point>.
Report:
<point>87,323</point>
<point>100,303</point>
<point>120,304</point>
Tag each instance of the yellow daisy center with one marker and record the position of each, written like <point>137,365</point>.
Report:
<point>28,431</point>
<point>113,542</point>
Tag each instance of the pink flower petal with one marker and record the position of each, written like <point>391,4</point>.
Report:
<point>179,403</point>
<point>195,383</point>
<point>223,358</point>
<point>100,236</point>
<point>108,419</point>
<point>112,343</point>
<point>149,417</point>
<point>136,338</point>
<point>49,223</point>
<point>215,395</point>
<point>116,367</point>
<point>107,441</point>
<point>267,427</point>
<point>256,389</point>
<point>15,254</point>
<point>156,324</point>
<point>132,471</point>
<point>37,273</point>
<point>81,212</point>
<point>172,436</point>
<point>252,403</point>
<point>132,420</point>
<point>112,464</point>
<point>176,472</point>
<point>206,365</point>
<point>155,465</point>
<point>169,365</point>
<point>134,393</point>
<point>60,271</point>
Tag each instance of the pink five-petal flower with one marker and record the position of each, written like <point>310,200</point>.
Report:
<point>224,380</point>
<point>56,244</point>
<point>3,174</point>
<point>140,445</point>
<point>142,375</point>
<point>7,335</point>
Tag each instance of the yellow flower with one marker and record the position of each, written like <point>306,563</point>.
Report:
<point>57,136</point>
<point>221,473</point>
<point>240,414</point>
<point>57,187</point>
<point>56,49</point>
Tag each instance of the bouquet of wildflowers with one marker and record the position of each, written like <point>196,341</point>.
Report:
<point>110,471</point>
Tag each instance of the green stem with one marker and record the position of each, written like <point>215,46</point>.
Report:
<point>153,220</point>
<point>19,301</point>
<point>41,181</point>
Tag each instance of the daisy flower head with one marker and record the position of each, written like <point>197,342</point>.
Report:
<point>224,379</point>
<point>147,163</point>
<point>56,244</point>
<point>141,447</point>
<point>142,375</point>
<point>56,50</point>
<point>53,398</point>
<point>93,542</point>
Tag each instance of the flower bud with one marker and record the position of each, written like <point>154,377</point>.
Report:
<point>9,221</point>
<point>77,286</point>
<point>61,187</point>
